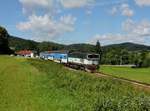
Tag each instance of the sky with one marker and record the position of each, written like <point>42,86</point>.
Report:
<point>78,21</point>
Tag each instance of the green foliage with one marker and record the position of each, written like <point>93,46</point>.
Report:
<point>125,53</point>
<point>4,48</point>
<point>21,44</point>
<point>95,94</point>
<point>117,56</point>
<point>98,48</point>
<point>48,46</point>
<point>35,85</point>
<point>80,48</point>
<point>142,59</point>
<point>137,74</point>
<point>128,46</point>
<point>146,61</point>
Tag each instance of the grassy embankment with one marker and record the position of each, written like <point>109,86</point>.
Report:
<point>35,85</point>
<point>137,74</point>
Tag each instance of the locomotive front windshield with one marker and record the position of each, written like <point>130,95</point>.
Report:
<point>93,56</point>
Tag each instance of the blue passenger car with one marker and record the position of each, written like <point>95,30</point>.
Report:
<point>57,56</point>
<point>44,55</point>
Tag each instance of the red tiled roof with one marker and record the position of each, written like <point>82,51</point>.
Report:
<point>24,52</point>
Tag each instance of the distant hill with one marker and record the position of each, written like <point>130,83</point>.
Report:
<point>128,46</point>
<point>19,43</point>
<point>81,47</point>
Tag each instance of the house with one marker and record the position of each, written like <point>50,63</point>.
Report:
<point>26,53</point>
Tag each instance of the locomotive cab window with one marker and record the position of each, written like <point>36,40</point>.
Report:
<point>92,56</point>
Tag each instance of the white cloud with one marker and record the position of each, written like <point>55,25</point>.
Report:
<point>126,11</point>
<point>30,5</point>
<point>43,3</point>
<point>123,9</point>
<point>143,2</point>
<point>45,28</point>
<point>133,32</point>
<point>141,29</point>
<point>89,12</point>
<point>106,38</point>
<point>117,38</point>
<point>76,3</point>
<point>114,10</point>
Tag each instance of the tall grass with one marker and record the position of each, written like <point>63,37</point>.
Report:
<point>91,93</point>
<point>35,85</point>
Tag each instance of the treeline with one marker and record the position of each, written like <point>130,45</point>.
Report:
<point>17,44</point>
<point>119,56</point>
<point>20,44</point>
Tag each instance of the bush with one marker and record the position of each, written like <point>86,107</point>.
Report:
<point>146,62</point>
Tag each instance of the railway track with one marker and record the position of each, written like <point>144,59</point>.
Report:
<point>137,84</point>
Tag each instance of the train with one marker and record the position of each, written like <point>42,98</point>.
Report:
<point>78,60</point>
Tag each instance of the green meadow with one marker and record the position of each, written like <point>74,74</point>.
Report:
<point>36,85</point>
<point>137,74</point>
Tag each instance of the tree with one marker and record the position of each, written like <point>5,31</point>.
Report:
<point>4,48</point>
<point>145,57</point>
<point>44,46</point>
<point>98,49</point>
<point>124,57</point>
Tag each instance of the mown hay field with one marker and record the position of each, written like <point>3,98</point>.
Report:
<point>36,85</point>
